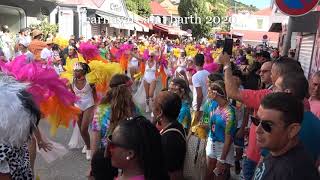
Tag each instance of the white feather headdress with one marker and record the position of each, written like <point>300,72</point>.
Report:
<point>16,121</point>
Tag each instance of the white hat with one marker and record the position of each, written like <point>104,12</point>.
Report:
<point>24,42</point>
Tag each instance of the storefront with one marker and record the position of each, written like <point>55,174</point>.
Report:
<point>18,14</point>
<point>303,38</point>
<point>90,19</point>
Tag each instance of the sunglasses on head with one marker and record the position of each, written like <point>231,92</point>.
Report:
<point>112,144</point>
<point>265,124</point>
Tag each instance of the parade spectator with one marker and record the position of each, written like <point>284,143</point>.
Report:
<point>36,45</point>
<point>47,53</point>
<point>265,75</point>
<point>199,89</point>
<point>23,49</point>
<point>297,85</point>
<point>23,34</point>
<point>2,57</point>
<point>103,50</point>
<point>115,106</point>
<point>314,100</point>
<point>263,57</point>
<point>135,147</point>
<point>56,60</point>
<point>65,52</point>
<point>166,110</point>
<point>7,42</point>
<point>17,125</point>
<point>222,125</point>
<point>278,124</point>
<point>180,87</point>
<point>252,99</point>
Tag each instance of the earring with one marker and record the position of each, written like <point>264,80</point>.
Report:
<point>128,158</point>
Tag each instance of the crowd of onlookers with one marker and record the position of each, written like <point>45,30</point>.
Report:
<point>257,112</point>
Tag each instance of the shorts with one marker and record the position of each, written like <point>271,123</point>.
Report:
<point>214,151</point>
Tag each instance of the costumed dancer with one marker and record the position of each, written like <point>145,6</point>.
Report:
<point>100,74</point>
<point>134,62</point>
<point>149,79</point>
<point>181,65</point>
<point>17,125</point>
<point>50,94</point>
<point>87,94</point>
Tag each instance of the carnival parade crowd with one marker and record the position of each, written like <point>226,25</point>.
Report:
<point>252,112</point>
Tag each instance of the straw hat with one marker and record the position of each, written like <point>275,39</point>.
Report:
<point>36,32</point>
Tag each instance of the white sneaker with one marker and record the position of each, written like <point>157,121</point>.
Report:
<point>147,109</point>
<point>84,149</point>
<point>88,154</point>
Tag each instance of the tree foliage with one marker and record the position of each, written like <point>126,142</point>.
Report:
<point>207,10</point>
<point>46,28</point>
<point>140,7</point>
<point>198,9</point>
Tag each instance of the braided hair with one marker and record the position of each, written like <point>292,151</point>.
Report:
<point>144,138</point>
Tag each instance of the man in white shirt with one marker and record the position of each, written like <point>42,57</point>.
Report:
<point>46,53</point>
<point>199,89</point>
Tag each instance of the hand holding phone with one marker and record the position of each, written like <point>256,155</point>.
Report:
<point>228,45</point>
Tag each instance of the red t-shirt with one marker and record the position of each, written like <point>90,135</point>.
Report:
<point>252,99</point>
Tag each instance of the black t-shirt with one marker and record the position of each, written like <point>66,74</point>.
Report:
<point>294,165</point>
<point>174,147</point>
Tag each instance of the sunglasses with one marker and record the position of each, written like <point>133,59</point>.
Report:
<point>265,124</point>
<point>264,71</point>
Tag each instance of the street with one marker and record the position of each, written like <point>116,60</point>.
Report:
<point>73,166</point>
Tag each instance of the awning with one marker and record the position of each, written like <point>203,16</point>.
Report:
<point>119,22</point>
<point>171,30</point>
<point>276,27</point>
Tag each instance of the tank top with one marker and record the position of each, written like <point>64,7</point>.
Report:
<point>85,96</point>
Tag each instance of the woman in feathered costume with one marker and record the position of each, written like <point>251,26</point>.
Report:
<point>87,94</point>
<point>50,93</point>
<point>101,71</point>
<point>19,118</point>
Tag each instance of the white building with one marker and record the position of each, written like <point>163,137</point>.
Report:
<point>253,27</point>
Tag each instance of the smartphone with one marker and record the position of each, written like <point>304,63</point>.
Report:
<point>228,45</point>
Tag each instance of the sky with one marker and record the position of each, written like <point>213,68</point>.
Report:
<point>258,3</point>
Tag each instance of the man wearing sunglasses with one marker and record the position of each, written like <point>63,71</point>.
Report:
<point>278,124</point>
<point>252,99</point>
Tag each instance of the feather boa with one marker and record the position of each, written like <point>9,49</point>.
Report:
<point>50,92</point>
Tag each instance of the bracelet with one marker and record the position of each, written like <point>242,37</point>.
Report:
<point>221,161</point>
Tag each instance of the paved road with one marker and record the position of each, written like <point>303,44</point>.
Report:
<point>73,166</point>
